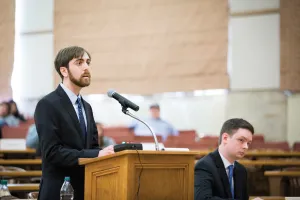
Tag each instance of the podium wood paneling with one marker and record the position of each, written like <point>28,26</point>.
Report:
<point>165,175</point>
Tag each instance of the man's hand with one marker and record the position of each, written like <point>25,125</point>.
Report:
<point>106,151</point>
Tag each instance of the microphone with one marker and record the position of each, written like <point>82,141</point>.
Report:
<point>122,100</point>
<point>128,104</point>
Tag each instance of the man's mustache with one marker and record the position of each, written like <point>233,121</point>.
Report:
<point>86,75</point>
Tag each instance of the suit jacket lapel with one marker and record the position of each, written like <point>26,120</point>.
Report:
<point>88,120</point>
<point>222,172</point>
<point>67,104</point>
<point>238,182</point>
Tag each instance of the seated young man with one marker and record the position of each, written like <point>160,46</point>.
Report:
<point>217,175</point>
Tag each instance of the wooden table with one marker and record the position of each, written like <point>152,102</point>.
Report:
<point>282,173</point>
<point>23,187</point>
<point>268,162</point>
<point>273,162</point>
<point>25,151</point>
<point>275,180</point>
<point>21,173</point>
<point>14,153</point>
<point>269,198</point>
<point>255,153</point>
<point>20,161</point>
<point>273,153</point>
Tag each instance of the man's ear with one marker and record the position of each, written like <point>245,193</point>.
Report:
<point>225,137</point>
<point>64,71</point>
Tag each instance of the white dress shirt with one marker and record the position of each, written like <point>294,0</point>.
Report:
<point>73,98</point>
<point>226,164</point>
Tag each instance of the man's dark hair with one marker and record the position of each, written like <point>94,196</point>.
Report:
<point>7,105</point>
<point>155,105</point>
<point>17,113</point>
<point>232,125</point>
<point>65,55</point>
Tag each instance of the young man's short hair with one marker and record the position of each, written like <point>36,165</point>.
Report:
<point>232,125</point>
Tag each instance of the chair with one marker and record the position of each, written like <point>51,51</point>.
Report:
<point>291,185</point>
<point>33,195</point>
<point>141,139</point>
<point>187,134</point>
<point>171,141</point>
<point>209,140</point>
<point>29,121</point>
<point>279,146</point>
<point>15,132</point>
<point>296,146</point>
<point>9,168</point>
<point>258,138</point>
<point>119,134</point>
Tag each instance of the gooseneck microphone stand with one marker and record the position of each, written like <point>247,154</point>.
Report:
<point>126,112</point>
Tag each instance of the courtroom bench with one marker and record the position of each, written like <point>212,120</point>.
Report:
<point>23,187</point>
<point>275,180</point>
<point>34,173</point>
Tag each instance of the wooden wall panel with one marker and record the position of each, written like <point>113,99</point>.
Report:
<point>290,45</point>
<point>146,47</point>
<point>7,33</point>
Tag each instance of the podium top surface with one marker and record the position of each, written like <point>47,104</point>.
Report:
<point>84,161</point>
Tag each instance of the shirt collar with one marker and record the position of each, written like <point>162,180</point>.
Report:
<point>73,97</point>
<point>225,161</point>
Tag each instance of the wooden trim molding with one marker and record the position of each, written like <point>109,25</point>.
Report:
<point>255,12</point>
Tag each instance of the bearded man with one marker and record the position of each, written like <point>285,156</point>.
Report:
<point>66,126</point>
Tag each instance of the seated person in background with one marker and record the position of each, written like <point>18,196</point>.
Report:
<point>4,112</point>
<point>218,175</point>
<point>6,118</point>
<point>32,138</point>
<point>159,126</point>
<point>15,111</point>
<point>103,140</point>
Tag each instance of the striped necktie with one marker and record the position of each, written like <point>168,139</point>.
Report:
<point>81,118</point>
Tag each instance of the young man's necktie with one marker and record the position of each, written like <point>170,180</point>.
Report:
<point>81,118</point>
<point>230,177</point>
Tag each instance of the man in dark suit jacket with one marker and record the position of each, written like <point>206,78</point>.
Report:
<point>217,175</point>
<point>66,126</point>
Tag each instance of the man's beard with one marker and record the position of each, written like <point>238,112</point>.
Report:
<point>82,81</point>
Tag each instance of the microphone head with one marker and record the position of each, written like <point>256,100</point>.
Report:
<point>110,92</point>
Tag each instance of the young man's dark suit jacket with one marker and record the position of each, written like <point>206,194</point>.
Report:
<point>211,180</point>
<point>62,144</point>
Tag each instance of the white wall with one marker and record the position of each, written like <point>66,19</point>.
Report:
<point>255,52</point>
<point>203,113</point>
<point>254,68</point>
<point>33,73</point>
<point>251,5</point>
<point>293,122</point>
<point>35,15</point>
<point>37,56</point>
<point>266,110</point>
<point>254,47</point>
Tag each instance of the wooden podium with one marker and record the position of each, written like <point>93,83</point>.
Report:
<point>163,175</point>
